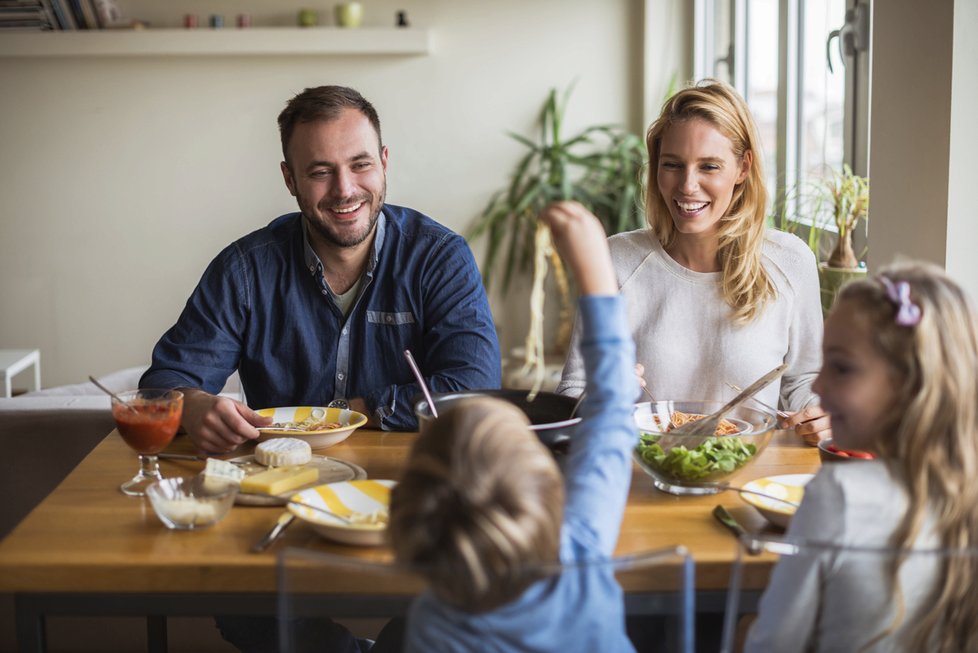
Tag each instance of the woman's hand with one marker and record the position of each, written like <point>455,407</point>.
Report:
<point>811,423</point>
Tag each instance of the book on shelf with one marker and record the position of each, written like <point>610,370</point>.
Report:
<point>88,10</point>
<point>61,11</point>
<point>78,11</point>
<point>23,15</point>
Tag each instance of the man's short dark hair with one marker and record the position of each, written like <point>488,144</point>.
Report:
<point>323,103</point>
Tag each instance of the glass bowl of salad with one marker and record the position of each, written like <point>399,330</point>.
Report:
<point>702,463</point>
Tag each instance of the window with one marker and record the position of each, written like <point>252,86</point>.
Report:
<point>812,118</point>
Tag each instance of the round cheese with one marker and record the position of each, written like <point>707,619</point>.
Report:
<point>278,452</point>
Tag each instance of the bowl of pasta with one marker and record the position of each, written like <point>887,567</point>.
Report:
<point>320,426</point>
<point>698,464</point>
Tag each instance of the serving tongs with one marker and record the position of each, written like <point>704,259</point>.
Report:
<point>692,434</point>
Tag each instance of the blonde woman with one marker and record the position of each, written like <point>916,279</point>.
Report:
<point>900,379</point>
<point>713,296</point>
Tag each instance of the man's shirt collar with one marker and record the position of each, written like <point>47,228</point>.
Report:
<point>315,265</point>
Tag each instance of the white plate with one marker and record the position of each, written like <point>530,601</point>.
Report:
<point>349,420</point>
<point>331,470</point>
<point>790,487</point>
<point>345,498</point>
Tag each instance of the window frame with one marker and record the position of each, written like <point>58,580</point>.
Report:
<point>791,61</point>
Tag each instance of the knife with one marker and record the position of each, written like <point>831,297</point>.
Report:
<point>725,518</point>
<point>283,522</point>
<point>185,456</point>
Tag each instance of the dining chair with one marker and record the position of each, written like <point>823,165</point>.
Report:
<point>838,595</point>
<point>658,585</point>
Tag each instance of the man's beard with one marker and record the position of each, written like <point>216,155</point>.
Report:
<point>351,240</point>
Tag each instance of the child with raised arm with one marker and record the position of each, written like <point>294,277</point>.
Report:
<point>482,502</point>
<point>900,379</point>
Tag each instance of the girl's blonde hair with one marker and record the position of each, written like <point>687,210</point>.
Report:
<point>745,284</point>
<point>931,437</point>
<point>480,507</point>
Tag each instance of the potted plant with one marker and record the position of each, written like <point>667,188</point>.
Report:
<point>842,200</point>
<point>600,167</point>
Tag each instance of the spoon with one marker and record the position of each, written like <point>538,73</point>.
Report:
<point>780,413</point>
<point>424,386</point>
<point>110,393</point>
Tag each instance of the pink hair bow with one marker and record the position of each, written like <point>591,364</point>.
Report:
<point>908,313</point>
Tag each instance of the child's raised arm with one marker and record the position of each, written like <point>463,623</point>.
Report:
<point>581,242</point>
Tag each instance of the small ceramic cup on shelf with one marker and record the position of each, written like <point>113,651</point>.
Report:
<point>349,14</point>
<point>307,17</point>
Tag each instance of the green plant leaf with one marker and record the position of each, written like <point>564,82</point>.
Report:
<point>599,166</point>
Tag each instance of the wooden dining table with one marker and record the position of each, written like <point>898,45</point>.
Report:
<point>89,549</point>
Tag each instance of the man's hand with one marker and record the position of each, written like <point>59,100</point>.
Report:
<point>581,242</point>
<point>218,424</point>
<point>812,423</point>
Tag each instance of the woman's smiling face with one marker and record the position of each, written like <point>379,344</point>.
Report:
<point>697,173</point>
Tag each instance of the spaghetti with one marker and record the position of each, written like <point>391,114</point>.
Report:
<point>534,361</point>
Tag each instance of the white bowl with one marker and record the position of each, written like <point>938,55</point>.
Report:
<point>184,504</point>
<point>349,420</point>
<point>770,489</point>
<point>346,499</point>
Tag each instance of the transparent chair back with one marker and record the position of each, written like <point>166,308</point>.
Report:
<point>658,585</point>
<point>826,596</point>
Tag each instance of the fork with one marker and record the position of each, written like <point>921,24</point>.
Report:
<point>693,434</point>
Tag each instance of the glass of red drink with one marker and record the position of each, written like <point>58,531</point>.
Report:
<point>147,420</point>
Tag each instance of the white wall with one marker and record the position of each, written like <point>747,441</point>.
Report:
<point>962,227</point>
<point>923,135</point>
<point>120,178</point>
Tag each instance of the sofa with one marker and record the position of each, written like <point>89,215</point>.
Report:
<point>45,434</point>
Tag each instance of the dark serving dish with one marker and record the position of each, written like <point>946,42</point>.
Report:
<point>549,413</point>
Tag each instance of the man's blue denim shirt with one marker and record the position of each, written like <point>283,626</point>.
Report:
<point>262,307</point>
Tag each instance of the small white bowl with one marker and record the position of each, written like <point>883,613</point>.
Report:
<point>184,504</point>
<point>347,498</point>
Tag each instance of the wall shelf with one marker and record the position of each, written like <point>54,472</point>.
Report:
<point>221,42</point>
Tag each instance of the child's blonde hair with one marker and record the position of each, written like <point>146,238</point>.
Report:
<point>931,438</point>
<point>745,284</point>
<point>480,505</point>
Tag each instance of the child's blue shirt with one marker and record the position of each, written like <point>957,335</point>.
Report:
<point>581,609</point>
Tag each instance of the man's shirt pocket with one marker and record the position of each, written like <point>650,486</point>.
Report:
<point>390,318</point>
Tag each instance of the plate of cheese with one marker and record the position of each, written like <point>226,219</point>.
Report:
<point>363,504</point>
<point>279,467</point>
<point>320,426</point>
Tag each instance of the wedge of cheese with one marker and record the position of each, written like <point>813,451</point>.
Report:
<point>280,479</point>
<point>281,452</point>
<point>218,474</point>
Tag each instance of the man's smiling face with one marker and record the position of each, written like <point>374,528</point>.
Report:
<point>337,171</point>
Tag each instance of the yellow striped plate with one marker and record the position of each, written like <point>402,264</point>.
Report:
<point>790,487</point>
<point>358,500</point>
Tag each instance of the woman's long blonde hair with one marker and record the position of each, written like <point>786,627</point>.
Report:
<point>932,435</point>
<point>745,284</point>
<point>479,509</point>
